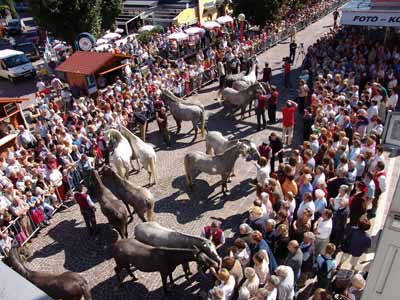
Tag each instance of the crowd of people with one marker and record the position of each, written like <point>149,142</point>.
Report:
<point>311,202</point>
<point>311,215</point>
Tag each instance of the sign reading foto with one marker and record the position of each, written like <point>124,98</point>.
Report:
<point>388,19</point>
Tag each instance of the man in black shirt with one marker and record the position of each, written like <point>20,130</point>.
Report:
<point>277,149</point>
<point>335,18</point>
<point>292,52</point>
<point>267,72</point>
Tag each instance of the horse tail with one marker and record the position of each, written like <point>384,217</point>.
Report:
<point>203,123</point>
<point>150,211</point>
<point>86,290</point>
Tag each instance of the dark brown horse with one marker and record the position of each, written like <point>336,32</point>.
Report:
<point>66,286</point>
<point>140,198</point>
<point>114,210</point>
<point>129,253</point>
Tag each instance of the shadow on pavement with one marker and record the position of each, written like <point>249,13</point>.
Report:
<point>82,251</point>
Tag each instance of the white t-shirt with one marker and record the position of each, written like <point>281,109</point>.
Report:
<point>228,288</point>
<point>324,229</point>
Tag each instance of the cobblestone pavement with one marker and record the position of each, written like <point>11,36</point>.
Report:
<point>66,245</point>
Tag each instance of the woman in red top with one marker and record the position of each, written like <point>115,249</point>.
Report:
<point>358,203</point>
<point>288,121</point>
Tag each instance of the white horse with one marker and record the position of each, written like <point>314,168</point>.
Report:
<point>247,80</point>
<point>144,152</point>
<point>122,153</point>
<point>217,142</point>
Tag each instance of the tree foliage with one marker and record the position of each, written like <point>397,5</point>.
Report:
<point>8,5</point>
<point>65,19</point>
<point>260,10</point>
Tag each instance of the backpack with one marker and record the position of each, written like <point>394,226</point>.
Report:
<point>323,271</point>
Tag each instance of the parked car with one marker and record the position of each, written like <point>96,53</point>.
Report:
<point>15,65</point>
<point>28,24</point>
<point>31,36</point>
<point>14,27</point>
<point>30,50</point>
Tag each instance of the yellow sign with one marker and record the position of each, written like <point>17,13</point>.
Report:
<point>186,17</point>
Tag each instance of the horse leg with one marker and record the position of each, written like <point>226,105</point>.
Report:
<point>195,130</point>
<point>178,125</point>
<point>164,282</point>
<point>186,270</point>
<point>171,280</point>
<point>134,278</point>
<point>120,278</point>
<point>242,111</point>
<point>130,212</point>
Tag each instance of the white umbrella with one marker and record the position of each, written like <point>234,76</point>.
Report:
<point>194,30</point>
<point>102,47</point>
<point>60,47</point>
<point>146,28</point>
<point>111,36</point>
<point>101,41</point>
<point>224,19</point>
<point>179,36</point>
<point>211,25</point>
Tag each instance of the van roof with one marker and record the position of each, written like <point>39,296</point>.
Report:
<point>9,52</point>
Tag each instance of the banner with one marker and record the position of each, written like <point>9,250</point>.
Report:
<point>360,18</point>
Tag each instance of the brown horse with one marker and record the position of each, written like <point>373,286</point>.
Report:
<point>141,199</point>
<point>114,210</point>
<point>67,286</point>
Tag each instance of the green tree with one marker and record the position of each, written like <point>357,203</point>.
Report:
<point>8,4</point>
<point>65,19</point>
<point>110,9</point>
<point>261,10</point>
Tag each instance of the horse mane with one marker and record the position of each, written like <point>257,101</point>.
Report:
<point>115,134</point>
<point>168,94</point>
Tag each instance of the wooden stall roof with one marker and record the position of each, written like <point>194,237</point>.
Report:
<point>85,63</point>
<point>12,100</point>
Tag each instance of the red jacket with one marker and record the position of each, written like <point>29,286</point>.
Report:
<point>216,237</point>
<point>262,102</point>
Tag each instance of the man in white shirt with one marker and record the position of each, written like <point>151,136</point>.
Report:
<point>286,285</point>
<point>322,231</point>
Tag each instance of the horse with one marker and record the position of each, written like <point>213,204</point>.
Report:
<point>122,154</point>
<point>247,80</point>
<point>141,199</point>
<point>68,285</point>
<point>143,151</point>
<point>155,235</point>
<point>217,143</point>
<point>146,258</point>
<point>185,112</point>
<point>232,78</point>
<point>114,210</point>
<point>222,164</point>
<point>241,98</point>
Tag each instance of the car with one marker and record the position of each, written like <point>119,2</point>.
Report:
<point>28,24</point>
<point>31,36</point>
<point>15,65</point>
<point>14,27</point>
<point>30,50</point>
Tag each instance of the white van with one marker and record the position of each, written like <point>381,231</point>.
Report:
<point>14,64</point>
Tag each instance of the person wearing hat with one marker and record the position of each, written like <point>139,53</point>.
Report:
<point>288,121</point>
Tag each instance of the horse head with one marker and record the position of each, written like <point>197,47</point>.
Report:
<point>169,96</point>
<point>208,248</point>
<point>14,261</point>
<point>252,151</point>
<point>204,262</point>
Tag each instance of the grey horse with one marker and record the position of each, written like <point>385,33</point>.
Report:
<point>241,98</point>
<point>129,253</point>
<point>222,164</point>
<point>185,112</point>
<point>140,198</point>
<point>154,234</point>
